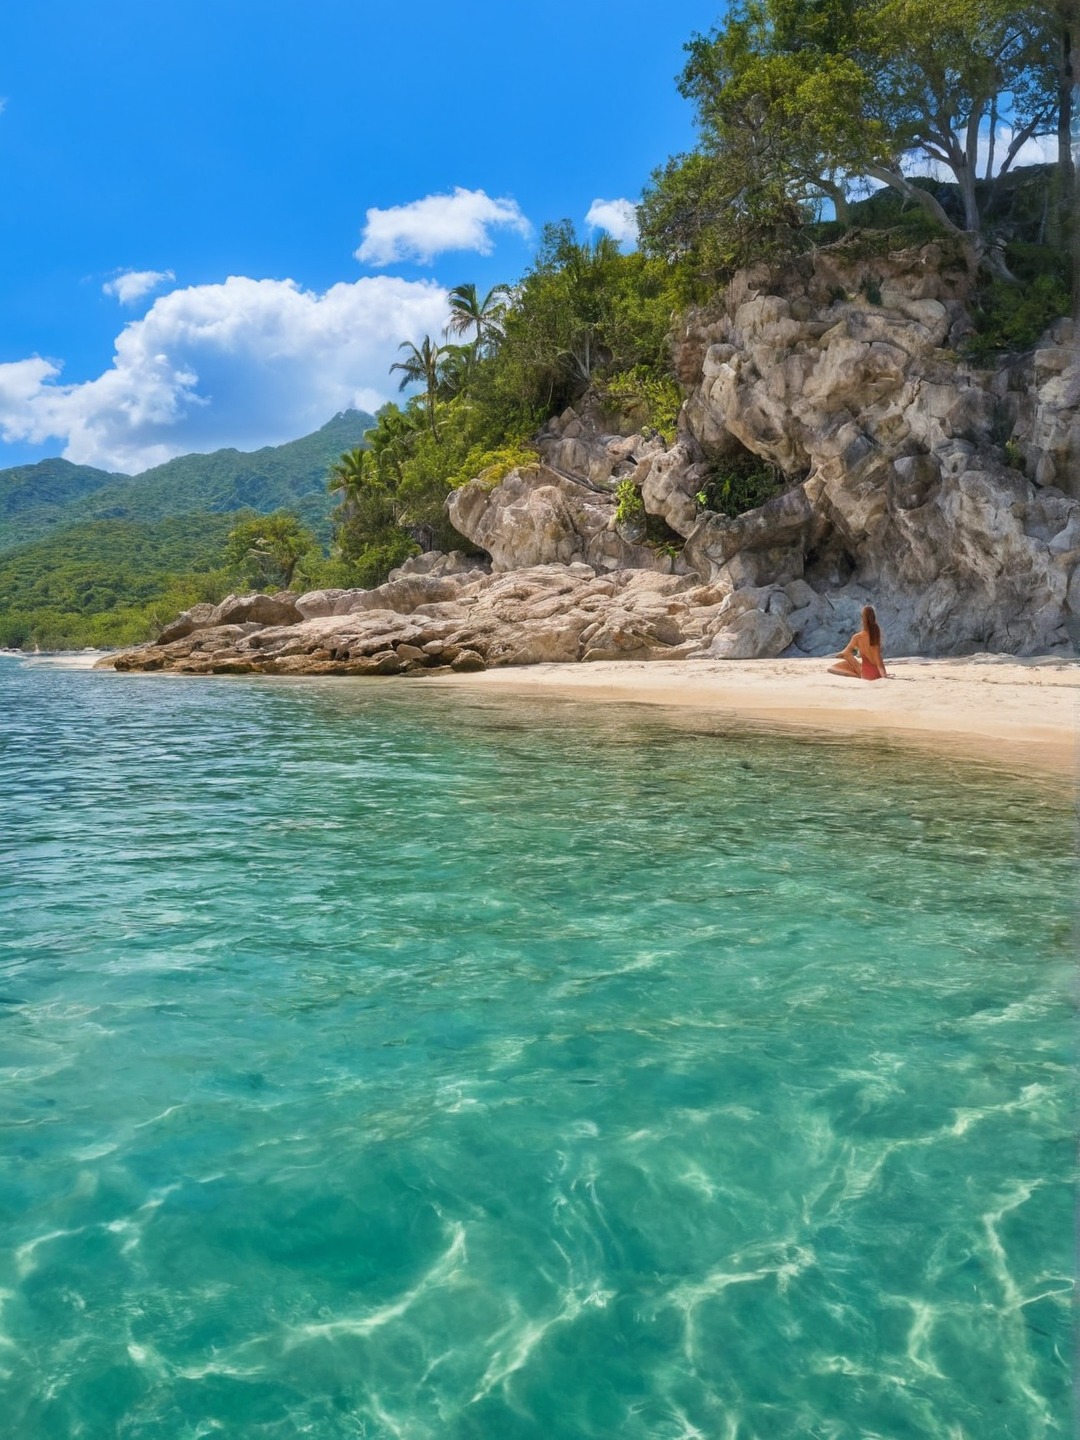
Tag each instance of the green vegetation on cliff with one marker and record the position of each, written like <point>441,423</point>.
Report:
<point>585,316</point>
<point>802,106</point>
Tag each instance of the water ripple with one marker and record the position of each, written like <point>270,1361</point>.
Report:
<point>386,1064</point>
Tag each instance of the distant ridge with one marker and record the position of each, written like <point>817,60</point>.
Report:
<point>37,501</point>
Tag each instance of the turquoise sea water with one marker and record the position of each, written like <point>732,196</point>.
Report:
<point>380,1061</point>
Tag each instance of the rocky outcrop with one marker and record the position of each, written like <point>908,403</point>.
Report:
<point>468,620</point>
<point>905,495</point>
<point>1040,396</point>
<point>541,516</point>
<point>947,496</point>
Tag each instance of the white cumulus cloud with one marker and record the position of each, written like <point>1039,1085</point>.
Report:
<point>132,285</point>
<point>245,363</point>
<point>428,227</point>
<point>617,217</point>
<point>1040,150</point>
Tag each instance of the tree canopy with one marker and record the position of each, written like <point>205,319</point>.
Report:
<point>800,102</point>
<point>266,549</point>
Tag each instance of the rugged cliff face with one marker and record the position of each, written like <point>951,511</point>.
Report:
<point>947,496</point>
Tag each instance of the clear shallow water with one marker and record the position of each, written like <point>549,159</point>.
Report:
<point>382,1062</point>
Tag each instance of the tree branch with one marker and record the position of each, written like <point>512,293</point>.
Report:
<point>1022,136</point>
<point>928,202</point>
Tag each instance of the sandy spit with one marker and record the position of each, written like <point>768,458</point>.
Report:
<point>1022,713</point>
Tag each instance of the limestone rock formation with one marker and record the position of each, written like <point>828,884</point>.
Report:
<point>541,516</point>
<point>905,491</point>
<point>466,621</point>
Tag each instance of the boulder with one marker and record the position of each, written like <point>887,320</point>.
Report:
<point>752,635</point>
<point>316,603</point>
<point>669,480</point>
<point>278,609</point>
<point>540,517</point>
<point>197,618</point>
<point>436,562</point>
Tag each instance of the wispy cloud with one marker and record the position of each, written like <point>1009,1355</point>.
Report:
<point>428,227</point>
<point>131,285</point>
<point>617,217</point>
<point>245,363</point>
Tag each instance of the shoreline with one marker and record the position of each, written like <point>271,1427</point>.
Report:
<point>1020,713</point>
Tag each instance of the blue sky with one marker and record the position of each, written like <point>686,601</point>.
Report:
<point>150,152</point>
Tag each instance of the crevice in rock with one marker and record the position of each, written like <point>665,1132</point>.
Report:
<point>829,564</point>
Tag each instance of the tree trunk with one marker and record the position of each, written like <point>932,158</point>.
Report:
<point>839,199</point>
<point>976,252</point>
<point>923,198</point>
<point>966,174</point>
<point>1069,192</point>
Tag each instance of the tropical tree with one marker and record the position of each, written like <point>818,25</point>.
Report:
<point>457,365</point>
<point>392,438</point>
<point>469,312</point>
<point>350,473</point>
<point>800,99</point>
<point>266,550</point>
<point>582,309</point>
<point>421,366</point>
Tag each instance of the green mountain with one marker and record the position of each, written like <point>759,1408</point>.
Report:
<point>39,500</point>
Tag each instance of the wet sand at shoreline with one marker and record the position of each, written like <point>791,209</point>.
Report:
<point>1022,712</point>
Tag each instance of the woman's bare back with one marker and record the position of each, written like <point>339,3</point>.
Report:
<point>867,651</point>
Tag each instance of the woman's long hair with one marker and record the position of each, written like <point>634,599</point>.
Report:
<point>870,625</point>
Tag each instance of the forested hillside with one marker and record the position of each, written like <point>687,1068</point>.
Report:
<point>36,500</point>
<point>91,558</point>
<point>109,582</point>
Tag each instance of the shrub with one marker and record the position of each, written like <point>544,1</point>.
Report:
<point>1010,318</point>
<point>646,397</point>
<point>629,506</point>
<point>492,466</point>
<point>739,483</point>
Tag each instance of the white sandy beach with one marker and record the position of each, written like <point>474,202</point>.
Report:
<point>1023,713</point>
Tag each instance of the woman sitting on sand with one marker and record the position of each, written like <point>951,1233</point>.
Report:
<point>861,658</point>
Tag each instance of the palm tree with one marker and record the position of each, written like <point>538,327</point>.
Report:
<point>391,439</point>
<point>421,365</point>
<point>455,370</point>
<point>468,312</point>
<point>371,503</point>
<point>350,473</point>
